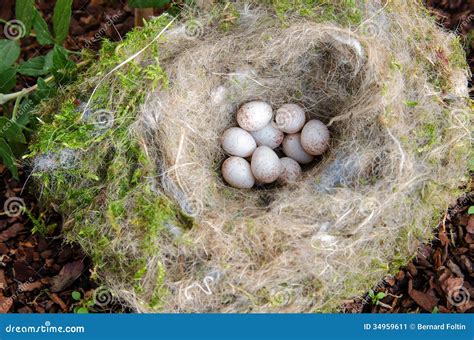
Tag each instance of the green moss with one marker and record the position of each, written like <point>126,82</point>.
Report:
<point>160,291</point>
<point>457,55</point>
<point>107,187</point>
<point>428,136</point>
<point>344,12</point>
<point>226,16</point>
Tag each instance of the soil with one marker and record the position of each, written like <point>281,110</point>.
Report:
<point>40,272</point>
<point>439,279</point>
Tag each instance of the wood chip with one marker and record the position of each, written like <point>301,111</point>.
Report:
<point>29,287</point>
<point>3,280</point>
<point>5,304</point>
<point>58,301</point>
<point>11,232</point>
<point>68,274</point>
<point>470,225</point>
<point>424,300</point>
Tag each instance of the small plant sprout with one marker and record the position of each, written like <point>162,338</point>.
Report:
<point>82,304</point>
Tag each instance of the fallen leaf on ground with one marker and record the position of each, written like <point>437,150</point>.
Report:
<point>68,274</point>
<point>11,232</point>
<point>424,300</point>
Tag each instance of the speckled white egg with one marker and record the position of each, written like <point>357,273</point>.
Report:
<point>254,115</point>
<point>265,164</point>
<point>290,118</point>
<point>269,136</point>
<point>290,170</point>
<point>238,142</point>
<point>292,148</point>
<point>237,173</point>
<point>315,137</point>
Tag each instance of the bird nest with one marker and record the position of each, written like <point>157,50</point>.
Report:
<point>143,193</point>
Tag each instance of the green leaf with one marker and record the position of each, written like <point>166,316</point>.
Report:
<point>24,12</point>
<point>43,91</point>
<point>148,3</point>
<point>62,65</point>
<point>76,295</point>
<point>11,131</point>
<point>41,29</point>
<point>61,58</point>
<point>7,157</point>
<point>48,61</point>
<point>471,210</point>
<point>380,295</point>
<point>82,310</point>
<point>9,53</point>
<point>7,79</point>
<point>411,103</point>
<point>33,67</point>
<point>24,113</point>
<point>61,20</point>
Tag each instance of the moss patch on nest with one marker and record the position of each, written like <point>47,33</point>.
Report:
<point>110,184</point>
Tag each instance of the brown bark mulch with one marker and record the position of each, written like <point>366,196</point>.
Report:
<point>441,277</point>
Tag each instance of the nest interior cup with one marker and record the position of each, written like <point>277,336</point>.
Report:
<point>398,127</point>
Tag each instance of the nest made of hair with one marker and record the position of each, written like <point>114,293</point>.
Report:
<point>399,123</point>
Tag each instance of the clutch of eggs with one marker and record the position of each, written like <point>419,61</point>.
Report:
<point>251,146</point>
